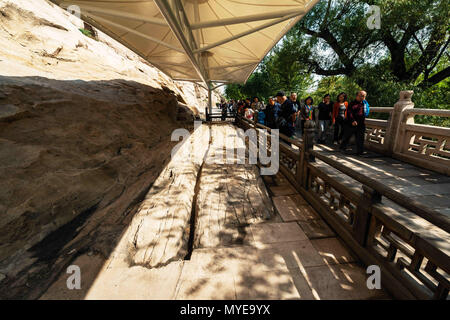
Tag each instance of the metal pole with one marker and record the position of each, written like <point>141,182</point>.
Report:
<point>210,97</point>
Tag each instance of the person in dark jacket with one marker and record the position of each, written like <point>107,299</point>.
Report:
<point>325,111</point>
<point>224,111</point>
<point>271,111</point>
<point>286,116</point>
<point>296,103</point>
<point>241,108</point>
<point>355,123</point>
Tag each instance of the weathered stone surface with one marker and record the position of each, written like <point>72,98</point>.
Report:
<point>302,286</point>
<point>159,232</point>
<point>231,197</point>
<point>256,284</point>
<point>216,287</point>
<point>136,283</point>
<point>332,251</point>
<point>316,229</point>
<point>288,255</point>
<point>89,266</point>
<point>283,190</point>
<point>277,232</point>
<point>158,235</point>
<point>85,130</point>
<point>290,211</point>
<point>8,110</point>
<point>339,282</point>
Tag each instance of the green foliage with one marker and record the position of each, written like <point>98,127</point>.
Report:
<point>334,85</point>
<point>409,52</point>
<point>280,70</point>
<point>233,91</point>
<point>334,39</point>
<point>87,33</point>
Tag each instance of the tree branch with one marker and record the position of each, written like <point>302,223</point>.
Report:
<point>314,67</point>
<point>419,43</point>
<point>323,25</point>
<point>438,77</point>
<point>439,55</point>
<point>431,51</point>
<point>409,33</point>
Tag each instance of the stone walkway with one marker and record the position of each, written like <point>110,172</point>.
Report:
<point>248,243</point>
<point>430,188</point>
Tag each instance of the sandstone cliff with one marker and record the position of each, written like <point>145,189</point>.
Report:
<point>85,129</point>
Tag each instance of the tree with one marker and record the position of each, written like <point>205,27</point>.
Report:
<point>334,85</point>
<point>333,39</point>
<point>280,70</point>
<point>233,91</point>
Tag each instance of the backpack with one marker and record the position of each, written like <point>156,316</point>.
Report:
<point>366,108</point>
<point>261,117</point>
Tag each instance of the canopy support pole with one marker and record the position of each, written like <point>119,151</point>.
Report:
<point>210,97</point>
<point>182,31</point>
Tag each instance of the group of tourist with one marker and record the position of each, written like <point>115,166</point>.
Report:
<point>289,115</point>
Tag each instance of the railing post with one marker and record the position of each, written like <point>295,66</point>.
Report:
<point>363,214</point>
<point>305,156</point>
<point>210,97</point>
<point>394,132</point>
<point>208,119</point>
<point>308,139</point>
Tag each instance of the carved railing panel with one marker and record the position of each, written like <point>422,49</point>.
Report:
<point>427,145</point>
<point>375,134</point>
<point>338,199</point>
<point>412,265</point>
<point>423,145</point>
<point>377,130</point>
<point>289,162</point>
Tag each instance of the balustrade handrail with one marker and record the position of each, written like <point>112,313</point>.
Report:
<point>282,136</point>
<point>408,203</point>
<point>381,109</point>
<point>430,215</point>
<point>424,128</point>
<point>378,121</point>
<point>427,112</point>
<point>218,115</point>
<point>365,222</point>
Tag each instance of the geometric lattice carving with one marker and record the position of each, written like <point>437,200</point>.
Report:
<point>288,162</point>
<point>420,272</point>
<point>336,201</point>
<point>375,134</point>
<point>429,146</point>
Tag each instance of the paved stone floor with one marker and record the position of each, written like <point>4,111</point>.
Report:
<point>249,243</point>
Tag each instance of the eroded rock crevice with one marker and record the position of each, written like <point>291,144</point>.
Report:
<point>85,131</point>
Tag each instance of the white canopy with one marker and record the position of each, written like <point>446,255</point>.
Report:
<point>196,40</point>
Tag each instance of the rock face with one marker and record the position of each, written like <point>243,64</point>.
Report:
<point>85,130</point>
